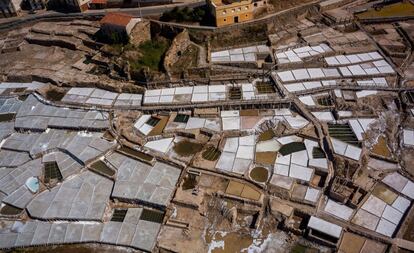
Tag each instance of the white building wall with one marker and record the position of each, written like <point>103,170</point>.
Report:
<point>132,24</point>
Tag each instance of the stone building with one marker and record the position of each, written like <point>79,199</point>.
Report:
<point>9,8</point>
<point>117,26</point>
<point>228,12</point>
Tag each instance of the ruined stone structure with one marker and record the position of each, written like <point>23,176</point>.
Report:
<point>179,45</point>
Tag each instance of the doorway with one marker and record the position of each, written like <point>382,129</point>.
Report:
<point>236,19</point>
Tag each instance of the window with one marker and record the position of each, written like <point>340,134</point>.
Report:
<point>255,4</point>
<point>246,8</point>
<point>224,20</point>
<point>224,12</point>
<point>232,10</point>
<point>239,9</point>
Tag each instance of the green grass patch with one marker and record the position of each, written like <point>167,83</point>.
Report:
<point>152,53</point>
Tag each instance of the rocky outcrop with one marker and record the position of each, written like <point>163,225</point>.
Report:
<point>49,40</point>
<point>73,36</point>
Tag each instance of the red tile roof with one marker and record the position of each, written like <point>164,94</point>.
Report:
<point>115,18</point>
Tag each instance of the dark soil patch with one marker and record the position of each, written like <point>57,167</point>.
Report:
<point>259,174</point>
<point>187,148</point>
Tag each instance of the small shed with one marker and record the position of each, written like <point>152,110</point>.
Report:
<point>324,231</point>
<point>117,26</point>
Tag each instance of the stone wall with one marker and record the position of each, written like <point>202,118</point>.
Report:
<point>179,45</point>
<point>140,33</point>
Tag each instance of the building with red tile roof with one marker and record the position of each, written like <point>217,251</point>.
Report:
<point>115,18</point>
<point>118,25</point>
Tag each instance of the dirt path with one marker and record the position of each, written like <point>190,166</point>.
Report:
<point>202,55</point>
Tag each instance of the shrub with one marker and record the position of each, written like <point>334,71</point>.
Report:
<point>185,14</point>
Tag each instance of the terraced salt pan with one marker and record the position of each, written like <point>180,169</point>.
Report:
<point>368,69</point>
<point>347,150</point>
<point>360,126</point>
<point>300,53</point>
<point>325,227</point>
<point>141,125</point>
<point>373,68</point>
<point>161,145</point>
<point>323,116</point>
<point>352,58</point>
<point>408,137</point>
<point>95,96</point>
<point>35,115</point>
<point>400,183</point>
<point>338,210</point>
<point>379,81</point>
<point>375,214</point>
<point>245,54</point>
<point>345,114</point>
<point>296,122</point>
<point>295,165</point>
<point>10,158</point>
<point>237,155</point>
<point>365,93</point>
<point>304,74</point>
<point>28,86</point>
<point>12,183</point>
<point>138,181</point>
<point>204,93</point>
<point>212,124</point>
<point>231,120</point>
<point>10,105</point>
<point>74,199</point>
<point>133,232</point>
<point>268,146</point>
<point>307,100</point>
<point>312,194</point>
<point>78,144</point>
<point>302,86</point>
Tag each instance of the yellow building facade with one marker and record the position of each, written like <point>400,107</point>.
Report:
<point>227,12</point>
